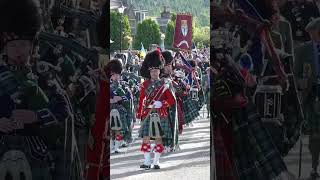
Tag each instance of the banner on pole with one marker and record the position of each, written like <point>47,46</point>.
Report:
<point>183,31</point>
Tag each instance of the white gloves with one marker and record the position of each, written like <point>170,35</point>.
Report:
<point>157,104</point>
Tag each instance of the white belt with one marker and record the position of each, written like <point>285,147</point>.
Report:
<point>151,106</point>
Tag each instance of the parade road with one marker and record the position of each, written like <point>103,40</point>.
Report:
<point>191,162</point>
<point>292,160</point>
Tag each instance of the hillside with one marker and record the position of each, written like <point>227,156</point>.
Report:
<point>199,8</point>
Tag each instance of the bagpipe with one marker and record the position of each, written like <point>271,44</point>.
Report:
<point>87,18</point>
<point>227,80</point>
<point>154,117</point>
<point>249,17</point>
<point>273,94</point>
<point>191,78</point>
<point>74,167</point>
<point>71,44</point>
<point>73,162</point>
<point>127,76</point>
<point>90,56</point>
<point>117,90</point>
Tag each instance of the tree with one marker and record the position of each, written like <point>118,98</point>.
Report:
<point>173,17</point>
<point>204,18</point>
<point>148,32</point>
<point>201,36</point>
<point>169,34</point>
<point>115,19</point>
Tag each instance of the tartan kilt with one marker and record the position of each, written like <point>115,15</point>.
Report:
<point>201,100</point>
<point>124,117</point>
<point>130,121</point>
<point>207,97</point>
<point>222,144</point>
<point>172,118</point>
<point>127,135</point>
<point>164,123</point>
<point>189,108</point>
<point>181,121</point>
<point>255,154</point>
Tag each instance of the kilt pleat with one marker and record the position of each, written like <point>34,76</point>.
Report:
<point>222,141</point>
<point>164,123</point>
<point>201,100</point>
<point>180,116</point>
<point>255,154</point>
<point>190,109</point>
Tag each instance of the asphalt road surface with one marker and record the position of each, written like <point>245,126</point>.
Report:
<point>292,160</point>
<point>191,162</point>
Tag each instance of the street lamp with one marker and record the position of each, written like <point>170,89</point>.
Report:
<point>162,41</point>
<point>121,10</point>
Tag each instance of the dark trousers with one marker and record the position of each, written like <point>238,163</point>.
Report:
<point>314,148</point>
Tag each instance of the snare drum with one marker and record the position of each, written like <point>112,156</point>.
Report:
<point>194,91</point>
<point>268,101</point>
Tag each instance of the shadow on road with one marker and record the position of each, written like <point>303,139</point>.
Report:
<point>171,168</point>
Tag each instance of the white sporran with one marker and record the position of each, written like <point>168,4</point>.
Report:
<point>155,130</point>
<point>115,121</point>
<point>14,165</point>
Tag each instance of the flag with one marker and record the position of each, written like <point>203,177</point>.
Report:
<point>142,51</point>
<point>185,62</point>
<point>182,38</point>
<point>189,67</point>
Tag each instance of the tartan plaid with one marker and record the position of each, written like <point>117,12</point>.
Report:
<point>201,100</point>
<point>207,97</point>
<point>8,82</point>
<point>128,135</point>
<point>223,151</point>
<point>171,118</point>
<point>255,154</point>
<point>190,109</point>
<point>144,129</point>
<point>286,136</point>
<point>180,115</point>
<point>123,117</point>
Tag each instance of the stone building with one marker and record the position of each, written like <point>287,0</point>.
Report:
<point>164,19</point>
<point>134,15</point>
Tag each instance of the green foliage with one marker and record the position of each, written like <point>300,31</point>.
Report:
<point>198,8</point>
<point>148,32</point>
<point>168,41</point>
<point>115,19</point>
<point>173,17</point>
<point>201,36</point>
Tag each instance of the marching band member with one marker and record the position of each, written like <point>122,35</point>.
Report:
<point>155,99</point>
<point>121,114</point>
